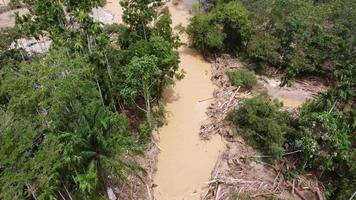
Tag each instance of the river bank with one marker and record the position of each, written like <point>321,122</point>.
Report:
<point>178,162</point>
<point>185,161</point>
<point>241,170</point>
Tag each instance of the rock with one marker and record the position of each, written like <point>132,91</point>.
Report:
<point>102,16</point>
<point>111,194</point>
<point>32,45</point>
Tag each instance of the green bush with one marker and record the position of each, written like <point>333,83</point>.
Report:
<point>235,22</point>
<point>226,28</point>
<point>263,125</point>
<point>327,139</point>
<point>244,78</point>
<point>204,35</point>
<point>263,49</point>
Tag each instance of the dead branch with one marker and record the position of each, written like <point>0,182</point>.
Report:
<point>353,195</point>
<point>149,192</point>
<point>218,190</point>
<point>205,99</point>
<point>264,194</point>
<point>231,98</point>
<point>298,192</point>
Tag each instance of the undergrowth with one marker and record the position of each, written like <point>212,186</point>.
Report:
<point>243,78</point>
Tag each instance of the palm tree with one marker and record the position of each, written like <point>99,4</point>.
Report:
<point>98,149</point>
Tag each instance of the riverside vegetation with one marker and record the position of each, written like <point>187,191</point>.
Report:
<point>72,118</point>
<point>299,38</point>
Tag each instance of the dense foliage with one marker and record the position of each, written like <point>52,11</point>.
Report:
<point>323,138</point>
<point>302,36</point>
<point>243,78</point>
<point>328,135</point>
<point>298,37</point>
<point>263,124</point>
<point>57,132</point>
<point>72,118</point>
<point>225,28</point>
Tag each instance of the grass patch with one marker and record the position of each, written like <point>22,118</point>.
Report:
<point>244,78</point>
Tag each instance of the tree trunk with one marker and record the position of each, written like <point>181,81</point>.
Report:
<point>148,104</point>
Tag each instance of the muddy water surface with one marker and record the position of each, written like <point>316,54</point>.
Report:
<point>293,96</point>
<point>185,162</point>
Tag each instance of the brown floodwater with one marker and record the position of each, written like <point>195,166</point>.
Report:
<point>292,97</point>
<point>185,162</point>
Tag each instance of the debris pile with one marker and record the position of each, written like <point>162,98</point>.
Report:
<point>241,169</point>
<point>226,97</point>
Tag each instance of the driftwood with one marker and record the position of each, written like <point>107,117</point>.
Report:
<point>225,99</point>
<point>206,99</point>
<point>264,194</point>
<point>218,190</point>
<point>297,192</point>
<point>149,192</point>
<point>226,178</point>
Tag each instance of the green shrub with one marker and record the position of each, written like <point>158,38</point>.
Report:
<point>263,49</point>
<point>204,35</point>
<point>244,78</point>
<point>235,22</point>
<point>263,125</point>
<point>327,139</point>
<point>226,28</point>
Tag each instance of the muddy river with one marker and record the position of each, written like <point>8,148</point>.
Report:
<point>185,162</point>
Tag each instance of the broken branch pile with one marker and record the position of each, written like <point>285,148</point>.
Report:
<point>238,169</point>
<point>226,97</point>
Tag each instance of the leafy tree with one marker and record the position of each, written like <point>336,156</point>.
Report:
<point>94,150</point>
<point>138,14</point>
<point>141,76</point>
<point>225,28</point>
<point>61,139</point>
<point>204,35</point>
<point>263,49</point>
<point>163,28</point>
<point>167,59</point>
<point>235,22</point>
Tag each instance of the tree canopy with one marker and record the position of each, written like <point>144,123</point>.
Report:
<point>69,116</point>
